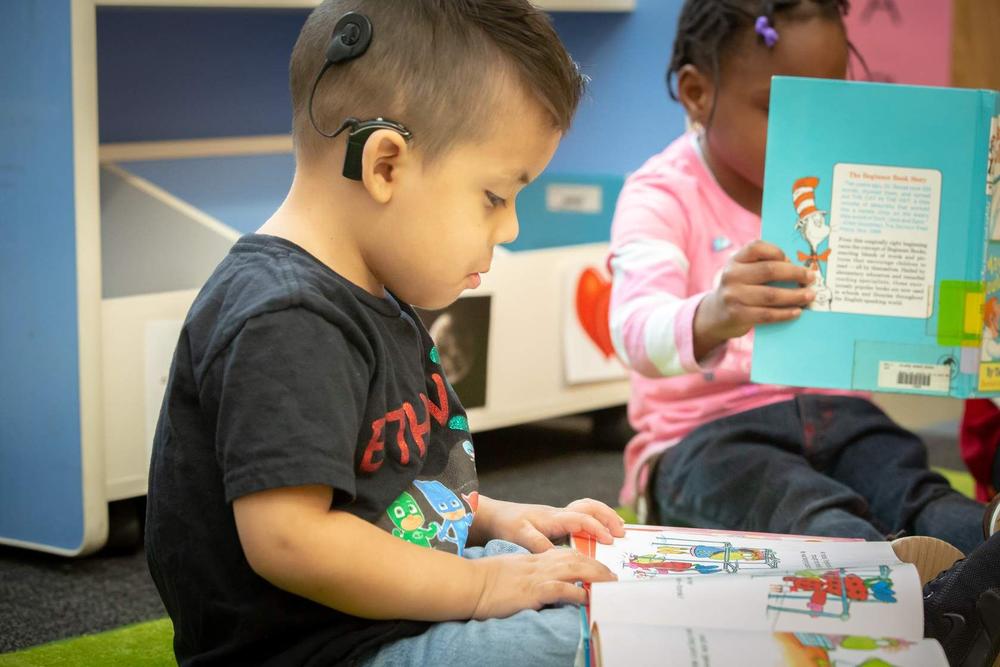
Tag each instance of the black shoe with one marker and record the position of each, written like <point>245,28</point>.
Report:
<point>962,608</point>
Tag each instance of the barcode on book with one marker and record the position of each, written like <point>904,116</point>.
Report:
<point>931,378</point>
<point>920,380</point>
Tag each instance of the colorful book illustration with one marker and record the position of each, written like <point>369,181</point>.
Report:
<point>891,194</point>
<point>703,597</point>
<point>642,646</point>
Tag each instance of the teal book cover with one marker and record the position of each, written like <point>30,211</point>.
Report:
<point>891,194</point>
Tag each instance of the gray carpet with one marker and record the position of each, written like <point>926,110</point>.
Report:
<point>44,598</point>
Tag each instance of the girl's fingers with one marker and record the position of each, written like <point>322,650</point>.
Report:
<point>761,273</point>
<point>759,315</point>
<point>760,251</point>
<point>777,297</point>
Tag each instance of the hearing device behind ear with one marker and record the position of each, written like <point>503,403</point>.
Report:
<point>358,136</point>
<point>351,37</point>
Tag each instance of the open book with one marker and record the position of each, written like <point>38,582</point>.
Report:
<point>701,597</point>
<point>891,194</point>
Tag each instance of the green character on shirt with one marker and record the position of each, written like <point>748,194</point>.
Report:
<point>409,521</point>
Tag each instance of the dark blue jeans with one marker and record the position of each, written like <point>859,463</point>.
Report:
<point>818,465</point>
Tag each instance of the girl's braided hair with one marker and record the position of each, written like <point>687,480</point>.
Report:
<point>706,28</point>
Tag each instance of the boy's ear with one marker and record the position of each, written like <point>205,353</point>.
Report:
<point>384,153</point>
<point>696,93</point>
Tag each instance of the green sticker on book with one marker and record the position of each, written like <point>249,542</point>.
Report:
<point>959,301</point>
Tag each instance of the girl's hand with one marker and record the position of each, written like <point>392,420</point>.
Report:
<point>532,581</point>
<point>743,298</point>
<point>534,526</point>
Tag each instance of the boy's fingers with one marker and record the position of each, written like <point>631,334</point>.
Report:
<point>576,522</point>
<point>535,542</point>
<point>614,523</point>
<point>560,592</point>
<point>572,566</point>
<point>583,568</point>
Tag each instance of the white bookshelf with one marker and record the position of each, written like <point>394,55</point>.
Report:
<point>133,280</point>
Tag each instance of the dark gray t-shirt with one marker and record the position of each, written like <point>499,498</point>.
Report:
<point>286,374</point>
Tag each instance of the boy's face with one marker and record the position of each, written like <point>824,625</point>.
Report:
<point>445,218</point>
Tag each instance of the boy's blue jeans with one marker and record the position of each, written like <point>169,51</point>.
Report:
<point>548,637</point>
<point>816,465</point>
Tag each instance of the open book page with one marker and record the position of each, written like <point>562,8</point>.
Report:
<point>878,599</point>
<point>648,552</point>
<point>703,578</point>
<point>639,646</point>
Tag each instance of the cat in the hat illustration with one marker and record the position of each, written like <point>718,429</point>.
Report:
<point>814,229</point>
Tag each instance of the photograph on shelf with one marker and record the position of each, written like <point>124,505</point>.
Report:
<point>461,333</point>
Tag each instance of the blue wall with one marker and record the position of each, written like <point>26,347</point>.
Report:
<point>628,115</point>
<point>40,464</point>
<point>180,74</point>
<point>191,74</point>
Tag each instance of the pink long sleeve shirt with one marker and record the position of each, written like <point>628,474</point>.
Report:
<point>674,231</point>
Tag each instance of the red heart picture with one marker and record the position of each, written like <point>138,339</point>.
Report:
<point>593,300</point>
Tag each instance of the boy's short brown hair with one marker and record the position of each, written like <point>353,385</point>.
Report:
<point>436,66</point>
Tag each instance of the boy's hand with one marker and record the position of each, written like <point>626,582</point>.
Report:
<point>532,581</point>
<point>292,538</point>
<point>533,526</point>
<point>743,298</point>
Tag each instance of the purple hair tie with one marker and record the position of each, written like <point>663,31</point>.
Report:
<point>763,28</point>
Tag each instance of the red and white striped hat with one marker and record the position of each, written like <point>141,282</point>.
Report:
<point>804,195</point>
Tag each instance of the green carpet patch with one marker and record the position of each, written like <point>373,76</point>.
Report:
<point>142,645</point>
<point>960,481</point>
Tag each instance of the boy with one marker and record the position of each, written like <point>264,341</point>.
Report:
<point>309,448</point>
<point>313,478</point>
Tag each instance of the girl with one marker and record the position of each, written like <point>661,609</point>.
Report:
<point>691,283</point>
